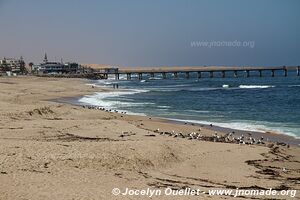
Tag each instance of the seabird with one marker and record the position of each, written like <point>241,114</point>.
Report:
<point>199,137</point>
<point>181,135</point>
<point>284,169</point>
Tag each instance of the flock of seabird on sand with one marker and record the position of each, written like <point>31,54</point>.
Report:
<point>227,138</point>
<point>101,108</point>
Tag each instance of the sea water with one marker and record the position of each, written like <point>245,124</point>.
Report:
<point>254,104</point>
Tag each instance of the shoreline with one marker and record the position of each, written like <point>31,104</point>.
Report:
<point>269,135</point>
<point>49,145</point>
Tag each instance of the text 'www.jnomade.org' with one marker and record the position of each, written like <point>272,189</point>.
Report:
<point>214,44</point>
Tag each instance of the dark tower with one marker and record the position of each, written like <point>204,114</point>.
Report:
<point>45,58</point>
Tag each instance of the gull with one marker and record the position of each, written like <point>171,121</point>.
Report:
<point>168,133</point>
<point>191,135</point>
<point>258,142</point>
<point>181,135</point>
<point>284,169</point>
<point>199,137</point>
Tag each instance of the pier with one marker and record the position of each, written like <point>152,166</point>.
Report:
<point>212,72</point>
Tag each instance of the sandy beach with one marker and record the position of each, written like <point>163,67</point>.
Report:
<point>53,150</point>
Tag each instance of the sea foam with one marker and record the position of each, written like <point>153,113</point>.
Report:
<point>255,126</point>
<point>100,99</point>
<point>255,86</point>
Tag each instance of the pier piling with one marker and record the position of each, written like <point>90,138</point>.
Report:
<point>199,74</point>
<point>140,76</point>
<point>298,71</point>
<point>164,76</point>
<point>235,74</point>
<point>284,71</point>
<point>211,74</point>
<point>260,73</point>
<point>223,74</point>
<point>273,73</point>
<point>187,75</point>
<point>175,75</point>
<point>128,76</point>
<point>247,73</point>
<point>152,75</point>
<point>117,76</point>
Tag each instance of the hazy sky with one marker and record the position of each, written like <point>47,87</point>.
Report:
<point>151,32</point>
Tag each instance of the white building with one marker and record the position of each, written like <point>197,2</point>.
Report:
<point>47,67</point>
<point>12,65</point>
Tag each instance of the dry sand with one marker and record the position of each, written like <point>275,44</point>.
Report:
<point>52,150</point>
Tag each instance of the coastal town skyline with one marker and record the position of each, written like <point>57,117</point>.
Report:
<point>140,33</point>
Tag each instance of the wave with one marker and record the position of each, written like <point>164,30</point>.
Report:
<point>108,100</point>
<point>255,86</point>
<point>106,83</point>
<point>177,85</point>
<point>100,99</point>
<point>163,106</point>
<point>195,89</point>
<point>199,111</point>
<point>255,126</point>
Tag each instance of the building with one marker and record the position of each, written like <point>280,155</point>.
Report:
<point>12,65</point>
<point>47,67</point>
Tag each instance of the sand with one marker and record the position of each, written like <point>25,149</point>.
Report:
<point>51,150</point>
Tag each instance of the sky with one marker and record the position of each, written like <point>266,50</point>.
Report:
<point>153,32</point>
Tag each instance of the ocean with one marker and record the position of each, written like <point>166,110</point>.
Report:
<point>252,104</point>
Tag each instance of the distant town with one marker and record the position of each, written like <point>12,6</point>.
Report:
<point>17,66</point>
